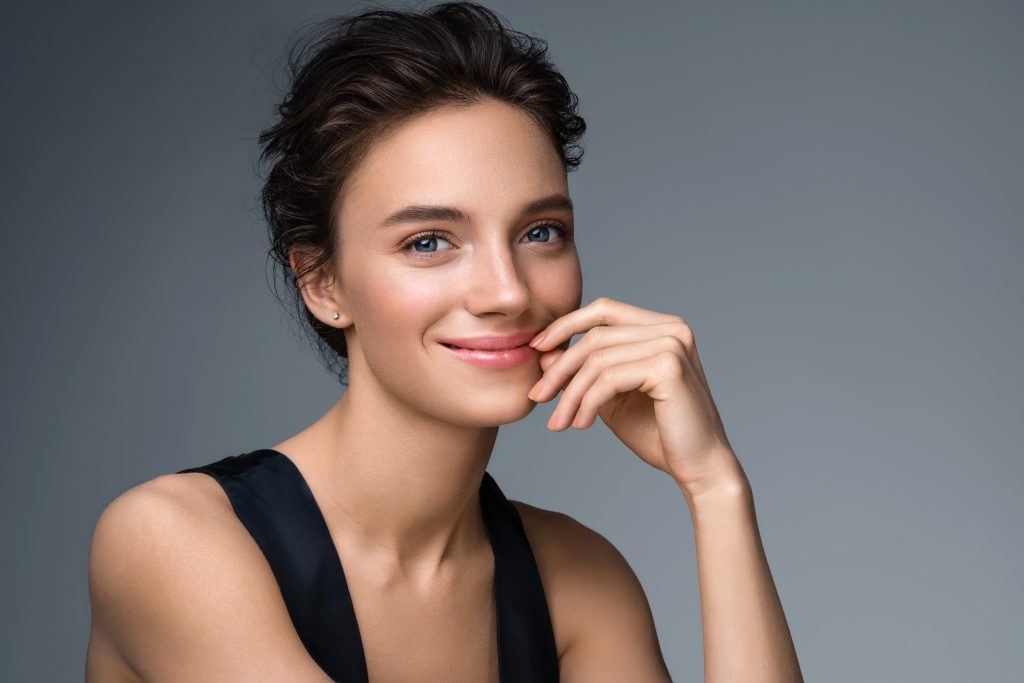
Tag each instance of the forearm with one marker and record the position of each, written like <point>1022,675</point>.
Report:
<point>746,637</point>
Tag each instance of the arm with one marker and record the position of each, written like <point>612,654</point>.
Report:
<point>177,594</point>
<point>746,637</point>
<point>597,604</point>
<point>639,372</point>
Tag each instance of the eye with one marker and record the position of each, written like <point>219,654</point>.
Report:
<point>547,228</point>
<point>431,236</point>
<point>420,238</point>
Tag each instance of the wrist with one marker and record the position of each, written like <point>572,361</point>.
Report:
<point>727,484</point>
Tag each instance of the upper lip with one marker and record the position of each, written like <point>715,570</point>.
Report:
<point>493,342</point>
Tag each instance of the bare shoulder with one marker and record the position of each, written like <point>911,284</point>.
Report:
<point>180,591</point>
<point>595,600</point>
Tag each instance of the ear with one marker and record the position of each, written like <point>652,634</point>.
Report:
<point>320,290</point>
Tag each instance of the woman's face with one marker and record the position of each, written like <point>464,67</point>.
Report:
<point>502,269</point>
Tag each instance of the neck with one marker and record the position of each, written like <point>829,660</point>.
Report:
<point>397,486</point>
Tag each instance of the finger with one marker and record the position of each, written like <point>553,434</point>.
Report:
<point>597,363</point>
<point>548,358</point>
<point>567,364</point>
<point>600,311</point>
<point>643,374</point>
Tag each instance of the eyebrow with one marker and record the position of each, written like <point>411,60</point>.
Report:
<point>433,212</point>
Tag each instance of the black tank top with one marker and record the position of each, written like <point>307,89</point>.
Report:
<point>274,502</point>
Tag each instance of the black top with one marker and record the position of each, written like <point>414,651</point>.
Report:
<point>274,502</point>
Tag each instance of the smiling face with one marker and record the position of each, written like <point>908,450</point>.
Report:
<point>498,268</point>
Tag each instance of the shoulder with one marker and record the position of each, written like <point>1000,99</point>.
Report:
<point>168,517</point>
<point>595,599</point>
<point>563,538</point>
<point>577,559</point>
<point>181,591</point>
<point>163,503</point>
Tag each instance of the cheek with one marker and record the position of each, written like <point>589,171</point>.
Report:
<point>559,288</point>
<point>395,311</point>
<point>391,315</point>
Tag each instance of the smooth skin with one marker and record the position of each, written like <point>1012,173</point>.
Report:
<point>179,589</point>
<point>639,371</point>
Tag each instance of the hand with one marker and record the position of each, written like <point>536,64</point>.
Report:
<point>639,371</point>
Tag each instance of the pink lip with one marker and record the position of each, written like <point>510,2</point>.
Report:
<point>495,360</point>
<point>493,342</point>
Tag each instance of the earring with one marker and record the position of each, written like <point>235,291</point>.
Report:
<point>335,316</point>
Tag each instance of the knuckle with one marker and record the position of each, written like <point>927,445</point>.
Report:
<point>669,362</point>
<point>608,373</point>
<point>683,331</point>
<point>674,344</point>
<point>600,357</point>
<point>593,337</point>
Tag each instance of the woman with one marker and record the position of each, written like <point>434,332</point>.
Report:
<point>418,202</point>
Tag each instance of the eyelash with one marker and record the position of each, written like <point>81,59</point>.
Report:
<point>564,233</point>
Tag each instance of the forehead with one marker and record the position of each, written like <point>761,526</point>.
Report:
<point>485,157</point>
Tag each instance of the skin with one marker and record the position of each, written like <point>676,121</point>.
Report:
<point>639,372</point>
<point>396,463</point>
<point>400,457</point>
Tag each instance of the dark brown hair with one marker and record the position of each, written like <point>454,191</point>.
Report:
<point>354,78</point>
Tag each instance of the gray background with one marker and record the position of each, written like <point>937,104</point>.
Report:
<point>830,193</point>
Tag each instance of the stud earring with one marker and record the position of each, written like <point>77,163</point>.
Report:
<point>335,316</point>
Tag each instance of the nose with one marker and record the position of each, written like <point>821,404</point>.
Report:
<point>497,284</point>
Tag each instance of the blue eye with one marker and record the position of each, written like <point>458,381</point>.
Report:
<point>425,237</point>
<point>422,237</point>
<point>549,227</point>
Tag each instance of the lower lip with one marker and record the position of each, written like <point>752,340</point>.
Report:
<point>495,360</point>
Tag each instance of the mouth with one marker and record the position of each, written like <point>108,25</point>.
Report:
<point>491,342</point>
<point>494,359</point>
<point>471,348</point>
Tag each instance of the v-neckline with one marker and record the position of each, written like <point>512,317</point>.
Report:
<point>288,524</point>
<point>350,615</point>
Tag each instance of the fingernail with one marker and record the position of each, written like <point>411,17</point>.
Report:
<point>538,339</point>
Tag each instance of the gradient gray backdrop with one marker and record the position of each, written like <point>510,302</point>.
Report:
<point>830,193</point>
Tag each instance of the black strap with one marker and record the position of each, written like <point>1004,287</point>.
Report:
<point>274,502</point>
<point>526,640</point>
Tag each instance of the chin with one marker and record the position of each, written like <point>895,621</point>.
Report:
<point>499,411</point>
